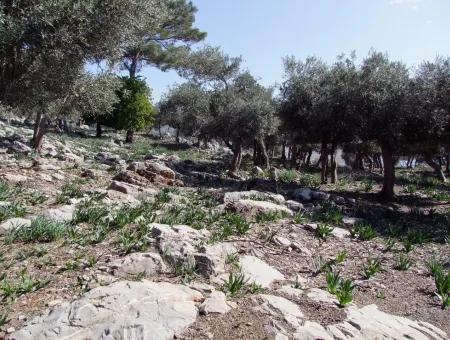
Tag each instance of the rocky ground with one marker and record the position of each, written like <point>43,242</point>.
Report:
<point>104,241</point>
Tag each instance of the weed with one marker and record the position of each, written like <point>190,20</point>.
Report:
<point>389,244</point>
<point>367,185</point>
<point>287,176</point>
<point>344,292</point>
<point>68,191</point>
<point>88,213</point>
<point>333,282</point>
<point>72,266</point>
<point>381,295</point>
<point>12,210</point>
<point>442,281</point>
<point>408,246</point>
<point>269,216</point>
<point>372,267</point>
<point>255,288</point>
<point>363,231</point>
<point>319,265</point>
<point>4,319</point>
<point>434,265</point>
<point>163,197</point>
<point>91,261</point>
<point>232,259</point>
<point>403,262</point>
<point>36,197</point>
<point>41,229</point>
<point>323,231</point>
<point>416,237</point>
<point>341,256</point>
<point>187,270</point>
<point>329,214</point>
<point>234,284</point>
<point>300,218</point>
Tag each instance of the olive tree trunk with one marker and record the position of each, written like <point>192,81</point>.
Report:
<point>387,154</point>
<point>40,127</point>
<point>130,136</point>
<point>435,166</point>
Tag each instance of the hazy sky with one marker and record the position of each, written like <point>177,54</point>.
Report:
<point>265,31</point>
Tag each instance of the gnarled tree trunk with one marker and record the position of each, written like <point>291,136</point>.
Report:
<point>263,152</point>
<point>333,163</point>
<point>40,126</point>
<point>130,136</point>
<point>324,163</point>
<point>435,166</point>
<point>237,156</point>
<point>99,130</point>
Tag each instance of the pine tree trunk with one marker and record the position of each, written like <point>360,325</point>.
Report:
<point>435,166</point>
<point>99,131</point>
<point>387,192</point>
<point>130,137</point>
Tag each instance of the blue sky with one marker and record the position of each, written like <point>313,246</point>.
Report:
<point>265,31</point>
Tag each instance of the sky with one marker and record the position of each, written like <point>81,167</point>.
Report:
<point>263,32</point>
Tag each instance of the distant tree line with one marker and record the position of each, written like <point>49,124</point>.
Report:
<point>375,111</point>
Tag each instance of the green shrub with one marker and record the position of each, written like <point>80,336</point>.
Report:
<point>442,281</point>
<point>434,265</point>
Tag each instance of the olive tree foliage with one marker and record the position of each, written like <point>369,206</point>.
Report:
<point>384,87</point>
<point>186,108</point>
<point>44,46</point>
<point>428,121</point>
<point>242,112</point>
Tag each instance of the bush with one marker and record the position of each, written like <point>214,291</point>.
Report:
<point>287,176</point>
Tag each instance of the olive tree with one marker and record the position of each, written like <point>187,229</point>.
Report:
<point>384,88</point>
<point>427,129</point>
<point>186,108</point>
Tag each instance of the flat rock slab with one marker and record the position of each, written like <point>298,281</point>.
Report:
<point>253,195</point>
<point>370,323</point>
<point>124,310</point>
<point>258,271</point>
<point>139,263</point>
<point>252,207</point>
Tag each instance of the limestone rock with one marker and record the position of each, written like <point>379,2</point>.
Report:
<point>15,178</point>
<point>161,169</point>
<point>252,208</point>
<point>124,310</point>
<point>216,303</point>
<point>294,205</point>
<point>258,271</point>
<point>61,214</point>
<point>13,223</point>
<point>253,195</point>
<point>289,311</point>
<point>304,194</point>
<point>370,323</point>
<point>137,263</point>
